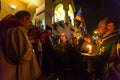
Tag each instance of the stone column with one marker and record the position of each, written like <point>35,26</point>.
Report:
<point>66,8</point>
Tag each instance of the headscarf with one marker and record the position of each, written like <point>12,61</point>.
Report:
<point>37,33</point>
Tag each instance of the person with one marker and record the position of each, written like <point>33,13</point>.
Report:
<point>107,62</point>
<point>17,59</point>
<point>48,65</point>
<point>34,34</point>
<point>76,61</point>
<point>74,42</point>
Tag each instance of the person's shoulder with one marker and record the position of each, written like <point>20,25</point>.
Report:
<point>19,29</point>
<point>9,22</point>
<point>118,35</point>
<point>117,38</point>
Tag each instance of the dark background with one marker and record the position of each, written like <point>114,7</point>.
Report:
<point>95,10</point>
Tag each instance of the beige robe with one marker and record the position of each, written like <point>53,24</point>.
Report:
<point>17,59</point>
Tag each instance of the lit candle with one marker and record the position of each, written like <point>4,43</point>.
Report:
<point>89,48</point>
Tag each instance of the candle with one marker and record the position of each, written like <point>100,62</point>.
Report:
<point>89,48</point>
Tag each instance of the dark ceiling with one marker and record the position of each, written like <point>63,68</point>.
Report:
<point>94,10</point>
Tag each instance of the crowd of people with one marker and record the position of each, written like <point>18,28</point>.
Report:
<point>34,55</point>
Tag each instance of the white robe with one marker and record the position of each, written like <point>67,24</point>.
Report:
<point>17,59</point>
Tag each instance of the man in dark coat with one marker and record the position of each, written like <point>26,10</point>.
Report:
<point>107,61</point>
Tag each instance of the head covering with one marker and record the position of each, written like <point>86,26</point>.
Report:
<point>37,33</point>
<point>34,32</point>
<point>8,22</point>
<point>44,36</point>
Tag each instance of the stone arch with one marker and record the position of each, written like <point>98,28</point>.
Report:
<point>59,13</point>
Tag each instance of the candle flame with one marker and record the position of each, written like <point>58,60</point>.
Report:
<point>89,46</point>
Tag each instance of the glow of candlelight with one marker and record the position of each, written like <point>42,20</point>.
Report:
<point>90,48</point>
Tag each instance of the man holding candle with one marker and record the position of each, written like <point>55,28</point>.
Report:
<point>107,63</point>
